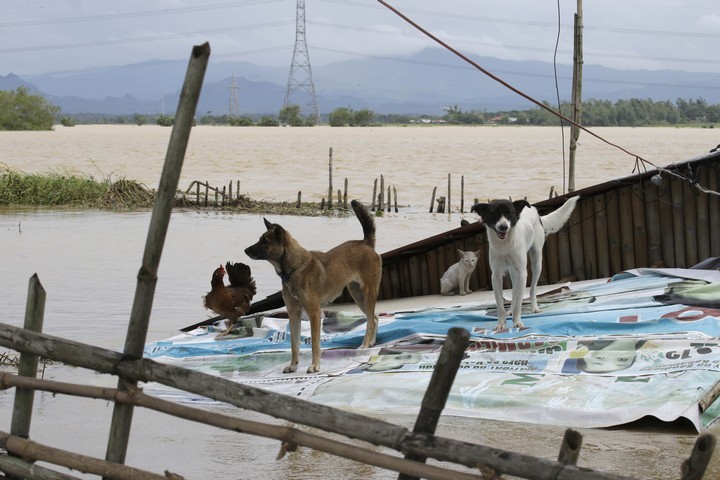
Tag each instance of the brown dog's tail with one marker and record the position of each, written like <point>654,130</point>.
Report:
<point>366,220</point>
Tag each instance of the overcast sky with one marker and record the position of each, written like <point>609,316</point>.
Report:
<point>40,36</point>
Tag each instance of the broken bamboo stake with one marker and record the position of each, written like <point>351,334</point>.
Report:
<point>159,221</point>
<point>439,387</point>
<point>27,367</point>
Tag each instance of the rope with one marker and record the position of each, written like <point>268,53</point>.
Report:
<point>638,159</point>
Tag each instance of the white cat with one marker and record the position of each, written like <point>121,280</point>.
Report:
<point>457,277</point>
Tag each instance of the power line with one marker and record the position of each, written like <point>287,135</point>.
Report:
<point>146,13</point>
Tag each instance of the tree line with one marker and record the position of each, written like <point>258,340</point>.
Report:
<point>21,110</point>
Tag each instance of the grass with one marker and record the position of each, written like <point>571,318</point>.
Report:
<point>71,190</point>
<point>63,189</point>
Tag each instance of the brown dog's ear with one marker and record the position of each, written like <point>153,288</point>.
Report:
<point>268,225</point>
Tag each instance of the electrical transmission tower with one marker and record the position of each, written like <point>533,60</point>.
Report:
<point>234,105</point>
<point>300,77</point>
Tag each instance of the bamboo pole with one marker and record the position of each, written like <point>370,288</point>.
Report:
<point>74,461</point>
<point>349,424</point>
<point>286,434</point>
<point>438,389</point>
<point>147,276</point>
<point>18,468</point>
<point>330,181</point>
<point>576,94</point>
<point>28,364</point>
<point>432,199</point>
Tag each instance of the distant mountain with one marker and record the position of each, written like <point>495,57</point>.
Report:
<point>427,82</point>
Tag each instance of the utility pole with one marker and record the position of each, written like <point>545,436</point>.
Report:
<point>576,94</point>
<point>300,77</point>
<point>234,104</point>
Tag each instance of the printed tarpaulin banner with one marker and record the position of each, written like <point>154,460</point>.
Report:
<point>646,343</point>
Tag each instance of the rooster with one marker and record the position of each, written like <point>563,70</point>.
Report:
<point>231,301</point>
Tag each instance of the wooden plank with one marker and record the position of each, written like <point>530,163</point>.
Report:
<point>678,209</point>
<point>652,221</point>
<point>703,220</point>
<point>551,259</point>
<point>601,236</point>
<point>434,273</point>
<point>587,210</point>
<point>714,209</point>
<point>563,239</point>
<point>664,194</point>
<point>627,243</point>
<point>640,235</point>
<point>614,242</point>
<point>574,226</point>
<point>690,217</point>
<point>415,276</point>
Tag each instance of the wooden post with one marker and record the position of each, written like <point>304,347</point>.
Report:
<point>28,365</point>
<point>381,200</point>
<point>448,195</point>
<point>230,191</point>
<point>374,194</point>
<point>438,389</point>
<point>197,193</point>
<point>395,198</point>
<point>576,94</point>
<point>330,185</point>
<point>299,202</point>
<point>570,448</point>
<point>694,467</point>
<point>389,199</point>
<point>462,194</point>
<point>147,276</point>
<point>238,189</point>
<point>345,194</point>
<point>207,192</point>
<point>432,199</point>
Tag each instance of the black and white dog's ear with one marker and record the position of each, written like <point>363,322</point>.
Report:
<point>480,209</point>
<point>518,205</point>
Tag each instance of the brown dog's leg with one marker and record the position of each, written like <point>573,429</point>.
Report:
<point>295,315</point>
<point>315,323</point>
<point>366,298</point>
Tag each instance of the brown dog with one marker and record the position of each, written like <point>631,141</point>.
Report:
<point>311,278</point>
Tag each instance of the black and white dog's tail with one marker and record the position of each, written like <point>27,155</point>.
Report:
<point>552,222</point>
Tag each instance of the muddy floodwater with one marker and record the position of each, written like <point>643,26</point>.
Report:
<point>87,261</point>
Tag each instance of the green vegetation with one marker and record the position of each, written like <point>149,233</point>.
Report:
<point>19,110</point>
<point>54,189</point>
<point>341,117</point>
<point>631,113</point>
<point>58,189</point>
<point>600,113</point>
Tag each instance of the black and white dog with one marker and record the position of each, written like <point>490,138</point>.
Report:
<point>514,230</point>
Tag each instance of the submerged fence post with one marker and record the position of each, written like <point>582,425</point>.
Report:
<point>438,389</point>
<point>147,276</point>
<point>24,397</point>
